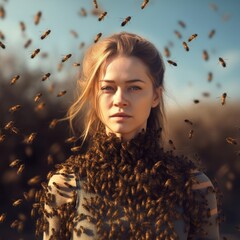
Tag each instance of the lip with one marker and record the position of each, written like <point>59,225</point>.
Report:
<point>120,115</point>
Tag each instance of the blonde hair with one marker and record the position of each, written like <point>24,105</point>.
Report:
<point>85,108</point>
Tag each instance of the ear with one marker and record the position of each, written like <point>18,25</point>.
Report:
<point>157,96</point>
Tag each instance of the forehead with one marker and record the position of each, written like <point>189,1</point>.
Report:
<point>125,68</point>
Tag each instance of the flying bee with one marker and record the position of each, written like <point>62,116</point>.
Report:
<point>61,93</point>
<point>37,17</point>
<point>9,125</point>
<point>27,44</point>
<point>205,55</point>
<point>125,21</point>
<point>188,121</point>
<point>14,79</point>
<point>190,134</point>
<point>231,141</point>
<point>2,137</point>
<point>46,76</point>
<point>45,34</point>
<point>182,24</point>
<point>83,12</point>
<point>2,12</point>
<point>33,181</point>
<point>97,37</point>
<point>95,3</point>
<point>210,76</point>
<point>17,202</point>
<point>22,26</point>
<point>211,33</point>
<point>14,108</point>
<point>172,144</point>
<point>20,169</point>
<point>15,130</point>
<point>82,44</point>
<point>15,163</point>
<point>222,62</point>
<point>185,46</point>
<point>71,140</point>
<point>66,57</point>
<point>102,15</point>
<point>76,64</point>
<point>193,36</point>
<point>35,52</point>
<point>37,97</point>
<point>2,35</point>
<point>144,4</point>
<point>2,45</point>
<point>74,33</point>
<point>29,139</point>
<point>53,123</point>
<point>172,62</point>
<point>196,101</point>
<point>178,34</point>
<point>206,94</point>
<point>223,98</point>
<point>76,149</point>
<point>2,217</point>
<point>167,52</point>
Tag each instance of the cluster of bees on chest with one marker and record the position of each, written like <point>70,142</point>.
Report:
<point>106,208</point>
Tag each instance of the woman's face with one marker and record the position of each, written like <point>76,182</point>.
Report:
<point>126,96</point>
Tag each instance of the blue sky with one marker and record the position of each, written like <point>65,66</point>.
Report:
<point>157,22</point>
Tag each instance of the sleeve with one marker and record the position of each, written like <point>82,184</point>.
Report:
<point>207,210</point>
<point>59,206</point>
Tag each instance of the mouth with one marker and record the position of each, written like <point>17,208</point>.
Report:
<point>120,115</point>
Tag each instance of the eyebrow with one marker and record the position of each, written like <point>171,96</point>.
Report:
<point>128,81</point>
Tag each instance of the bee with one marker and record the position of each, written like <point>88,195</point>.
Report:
<point>46,76</point>
<point>213,6</point>
<point>71,140</point>
<point>76,149</point>
<point>9,125</point>
<point>210,76</point>
<point>167,52</point>
<point>37,97</point>
<point>2,138</point>
<point>29,139</point>
<point>17,202</point>
<point>53,123</point>
<point>196,101</point>
<point>2,45</point>
<point>144,4</point>
<point>178,34</point>
<point>222,62</point>
<point>15,163</point>
<point>22,26</point>
<point>2,35</point>
<point>35,180</point>
<point>61,93</point>
<point>2,217</point>
<point>193,36</point>
<point>185,46</point>
<point>37,17</point>
<point>125,21</point>
<point>15,130</point>
<point>14,79</point>
<point>190,134</point>
<point>74,33</point>
<point>211,33</point>
<point>45,34</point>
<point>223,98</point>
<point>2,12</point>
<point>231,141</point>
<point>95,3</point>
<point>14,108</point>
<point>83,12</point>
<point>20,169</point>
<point>97,37</point>
<point>27,44</point>
<point>206,94</point>
<point>188,121</point>
<point>76,64</point>
<point>82,44</point>
<point>182,24</point>
<point>205,55</point>
<point>172,62</point>
<point>50,159</point>
<point>66,57</point>
<point>172,144</point>
<point>35,52</point>
<point>101,17</point>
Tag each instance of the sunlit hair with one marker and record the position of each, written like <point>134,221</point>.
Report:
<point>84,111</point>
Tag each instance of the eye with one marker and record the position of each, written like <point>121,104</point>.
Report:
<point>134,88</point>
<point>107,89</point>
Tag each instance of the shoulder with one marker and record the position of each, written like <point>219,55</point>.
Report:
<point>62,186</point>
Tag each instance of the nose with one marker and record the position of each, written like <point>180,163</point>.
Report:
<point>120,99</point>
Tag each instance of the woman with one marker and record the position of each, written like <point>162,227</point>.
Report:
<point>125,186</point>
